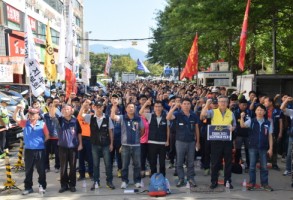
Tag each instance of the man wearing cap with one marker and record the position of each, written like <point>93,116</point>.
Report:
<point>35,133</point>
<point>101,138</point>
<point>220,149</point>
<point>69,142</point>
<point>4,123</point>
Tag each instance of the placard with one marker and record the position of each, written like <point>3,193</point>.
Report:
<point>219,133</point>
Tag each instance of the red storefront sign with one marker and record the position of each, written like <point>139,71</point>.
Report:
<point>13,14</point>
<point>33,23</point>
<point>16,46</point>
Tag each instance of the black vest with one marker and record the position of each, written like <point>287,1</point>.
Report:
<point>158,132</point>
<point>100,136</point>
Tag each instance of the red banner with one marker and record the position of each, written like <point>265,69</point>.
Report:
<point>191,66</point>
<point>243,38</point>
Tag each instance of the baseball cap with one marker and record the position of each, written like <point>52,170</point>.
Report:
<point>214,101</point>
<point>115,95</point>
<point>99,103</point>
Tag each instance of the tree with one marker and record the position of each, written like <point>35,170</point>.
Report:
<point>218,24</point>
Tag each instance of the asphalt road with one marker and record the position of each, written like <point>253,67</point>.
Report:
<point>280,183</point>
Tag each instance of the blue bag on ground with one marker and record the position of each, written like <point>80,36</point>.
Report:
<point>158,186</point>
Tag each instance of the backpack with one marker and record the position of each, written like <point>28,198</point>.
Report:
<point>158,186</point>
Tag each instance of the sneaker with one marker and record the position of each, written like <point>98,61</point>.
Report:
<point>26,192</point>
<point>192,183</point>
<point>56,170</point>
<point>206,172</point>
<point>251,187</point>
<point>110,185</point>
<point>93,187</point>
<point>287,173</point>
<point>124,185</point>
<point>180,183</point>
<point>267,188</point>
<point>137,185</point>
<point>119,173</point>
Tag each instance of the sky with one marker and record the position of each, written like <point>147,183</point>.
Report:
<point>121,19</point>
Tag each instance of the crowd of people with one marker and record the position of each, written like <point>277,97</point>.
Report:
<point>150,121</point>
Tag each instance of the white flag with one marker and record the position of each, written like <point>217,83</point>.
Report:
<point>36,74</point>
<point>70,39</point>
<point>61,51</point>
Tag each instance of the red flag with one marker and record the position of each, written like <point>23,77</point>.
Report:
<point>191,65</point>
<point>243,38</point>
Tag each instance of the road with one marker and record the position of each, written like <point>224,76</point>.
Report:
<point>280,183</point>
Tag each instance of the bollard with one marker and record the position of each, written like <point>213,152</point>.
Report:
<point>19,165</point>
<point>10,183</point>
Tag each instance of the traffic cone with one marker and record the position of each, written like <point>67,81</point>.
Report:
<point>19,165</point>
<point>10,183</point>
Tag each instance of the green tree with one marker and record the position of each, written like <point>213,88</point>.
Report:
<point>218,24</point>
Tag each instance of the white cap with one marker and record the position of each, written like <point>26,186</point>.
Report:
<point>24,92</point>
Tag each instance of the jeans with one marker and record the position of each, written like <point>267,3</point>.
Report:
<point>185,150</point>
<point>34,157</point>
<point>51,146</point>
<point>85,154</point>
<point>153,151</point>
<point>97,151</point>
<point>67,156</point>
<point>134,153</point>
<point>255,155</point>
<point>289,152</point>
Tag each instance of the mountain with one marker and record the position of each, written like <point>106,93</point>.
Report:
<point>134,53</point>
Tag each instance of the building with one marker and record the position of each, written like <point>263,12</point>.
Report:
<point>12,14</point>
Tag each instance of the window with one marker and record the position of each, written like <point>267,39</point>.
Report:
<point>56,4</point>
<point>77,21</point>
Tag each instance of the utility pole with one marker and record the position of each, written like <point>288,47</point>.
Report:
<point>274,35</point>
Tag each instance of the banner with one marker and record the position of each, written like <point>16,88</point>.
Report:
<point>191,65</point>
<point>61,51</point>
<point>243,38</point>
<point>219,133</point>
<point>49,64</point>
<point>108,65</point>
<point>70,53</point>
<point>36,76</point>
<point>6,73</point>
